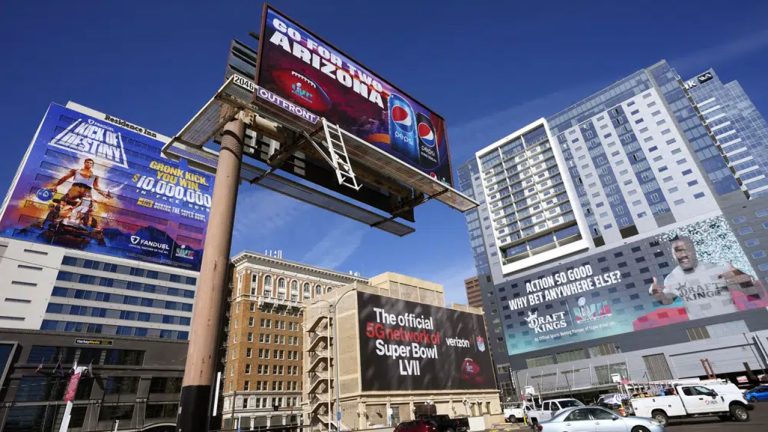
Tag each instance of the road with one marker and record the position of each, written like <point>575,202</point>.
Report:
<point>758,421</point>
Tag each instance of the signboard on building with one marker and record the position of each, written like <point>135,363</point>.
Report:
<point>100,184</point>
<point>310,78</point>
<point>413,346</point>
<point>687,273</point>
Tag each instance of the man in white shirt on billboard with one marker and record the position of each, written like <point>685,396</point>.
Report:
<point>705,288</point>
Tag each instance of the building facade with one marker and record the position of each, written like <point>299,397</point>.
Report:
<point>351,383</point>
<point>262,383</point>
<point>589,215</point>
<point>97,274</point>
<point>740,131</point>
<point>65,290</point>
<point>133,383</point>
<point>474,295</point>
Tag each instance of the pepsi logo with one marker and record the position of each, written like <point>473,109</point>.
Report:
<point>401,116</point>
<point>426,134</point>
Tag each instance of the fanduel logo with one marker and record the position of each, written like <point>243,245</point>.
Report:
<point>149,244</point>
<point>96,140</point>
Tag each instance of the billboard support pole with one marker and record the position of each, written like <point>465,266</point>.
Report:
<point>202,354</point>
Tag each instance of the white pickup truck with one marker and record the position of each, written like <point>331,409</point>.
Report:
<point>549,408</point>
<point>692,400</point>
<point>514,412</point>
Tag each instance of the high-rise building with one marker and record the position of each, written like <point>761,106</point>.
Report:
<point>263,373</point>
<point>740,131</point>
<point>622,214</point>
<point>100,242</point>
<point>474,295</point>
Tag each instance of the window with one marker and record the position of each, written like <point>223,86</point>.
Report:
<point>318,290</point>
<point>578,415</point>
<point>281,288</point>
<point>267,286</point>
<point>161,410</point>
<point>697,333</point>
<point>165,385</point>
<point>115,412</point>
<point>307,291</point>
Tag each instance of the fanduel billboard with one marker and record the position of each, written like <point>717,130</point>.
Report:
<point>301,68</point>
<point>413,346</point>
<point>694,271</point>
<point>99,184</point>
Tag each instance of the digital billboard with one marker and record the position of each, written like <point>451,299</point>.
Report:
<point>413,346</point>
<point>692,271</point>
<point>311,75</point>
<point>99,184</point>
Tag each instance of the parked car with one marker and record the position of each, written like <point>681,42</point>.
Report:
<point>444,423</point>
<point>759,393</point>
<point>416,426</point>
<point>596,419</point>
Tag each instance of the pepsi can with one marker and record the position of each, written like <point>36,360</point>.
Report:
<point>402,127</point>
<point>428,155</point>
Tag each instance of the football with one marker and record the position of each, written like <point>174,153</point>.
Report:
<point>302,90</point>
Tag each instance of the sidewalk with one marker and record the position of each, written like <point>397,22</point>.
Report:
<point>503,427</point>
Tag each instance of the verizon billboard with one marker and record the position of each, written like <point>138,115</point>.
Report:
<point>413,346</point>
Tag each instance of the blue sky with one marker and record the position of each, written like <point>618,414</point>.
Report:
<point>487,67</point>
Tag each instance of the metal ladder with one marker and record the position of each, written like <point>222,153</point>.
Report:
<point>339,158</point>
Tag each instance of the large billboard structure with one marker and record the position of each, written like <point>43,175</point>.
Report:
<point>100,184</point>
<point>300,67</point>
<point>695,271</point>
<point>407,346</point>
<point>247,132</point>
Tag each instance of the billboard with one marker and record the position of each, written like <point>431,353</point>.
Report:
<point>99,184</point>
<point>311,78</point>
<point>413,346</point>
<point>693,271</point>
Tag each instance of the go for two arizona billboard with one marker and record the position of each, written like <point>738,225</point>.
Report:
<point>413,346</point>
<point>99,184</point>
<point>298,66</point>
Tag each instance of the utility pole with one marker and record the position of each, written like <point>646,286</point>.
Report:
<point>202,355</point>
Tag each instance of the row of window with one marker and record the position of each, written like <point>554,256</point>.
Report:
<point>126,270</point>
<point>276,386</point>
<point>263,369</point>
<point>115,313</point>
<point>58,355</point>
<point>120,299</point>
<point>278,287</point>
<point>81,327</point>
<point>264,353</point>
<point>264,402</point>
<point>124,284</point>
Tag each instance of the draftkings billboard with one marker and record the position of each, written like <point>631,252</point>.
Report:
<point>303,70</point>
<point>99,184</point>
<point>413,346</point>
<point>690,272</point>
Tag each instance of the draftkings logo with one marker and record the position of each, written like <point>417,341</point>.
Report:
<point>93,139</point>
